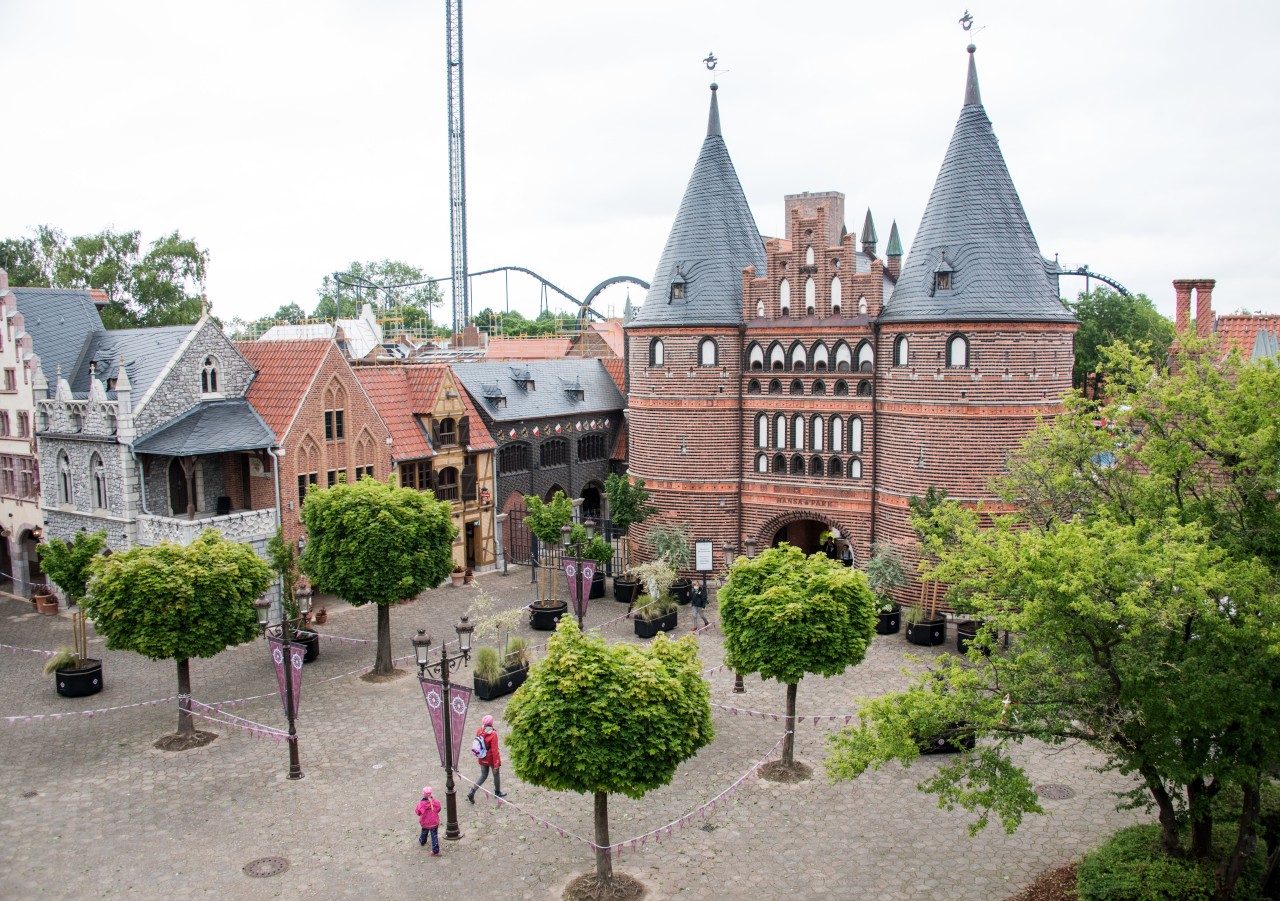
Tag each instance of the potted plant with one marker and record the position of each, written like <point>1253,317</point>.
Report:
<point>545,520</point>
<point>659,615</point>
<point>322,616</point>
<point>628,504</point>
<point>467,576</point>
<point>967,632</point>
<point>934,521</point>
<point>76,674</point>
<point>925,625</point>
<point>670,543</point>
<point>458,576</point>
<point>885,575</point>
<point>497,673</point>
<point>45,600</point>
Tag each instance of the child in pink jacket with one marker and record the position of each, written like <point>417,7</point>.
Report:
<point>428,811</point>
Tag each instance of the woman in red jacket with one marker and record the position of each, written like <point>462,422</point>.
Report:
<point>491,760</point>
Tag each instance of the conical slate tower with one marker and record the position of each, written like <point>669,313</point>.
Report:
<point>699,276</point>
<point>975,230</point>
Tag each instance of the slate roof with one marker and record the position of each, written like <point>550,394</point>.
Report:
<point>58,320</point>
<point>713,239</point>
<point>146,352</point>
<point>285,370</point>
<point>975,217</point>
<point>548,397</point>
<point>213,427</point>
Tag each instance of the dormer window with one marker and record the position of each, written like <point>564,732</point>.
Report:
<point>209,376</point>
<point>678,285</point>
<point>942,275</point>
<point>523,378</point>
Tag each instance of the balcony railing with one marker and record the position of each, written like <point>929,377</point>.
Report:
<point>246,525</point>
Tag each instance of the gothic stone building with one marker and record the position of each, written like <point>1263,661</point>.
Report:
<point>780,388</point>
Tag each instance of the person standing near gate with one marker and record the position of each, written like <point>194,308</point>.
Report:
<point>490,759</point>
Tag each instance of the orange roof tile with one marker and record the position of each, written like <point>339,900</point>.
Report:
<point>620,444</point>
<point>402,393</point>
<point>617,369</point>
<point>527,348</point>
<point>285,371</point>
<point>1242,329</point>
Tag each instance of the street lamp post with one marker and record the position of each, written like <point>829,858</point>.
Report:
<point>442,667</point>
<point>287,629</point>
<point>566,536</point>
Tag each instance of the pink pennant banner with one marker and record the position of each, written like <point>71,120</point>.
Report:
<point>459,704</point>
<point>579,593</point>
<point>292,652</point>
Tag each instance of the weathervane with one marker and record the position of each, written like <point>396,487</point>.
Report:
<point>710,62</point>
<point>966,21</point>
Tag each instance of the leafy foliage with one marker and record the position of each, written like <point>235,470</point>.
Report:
<point>488,664</point>
<point>1107,317</point>
<point>545,520</point>
<point>628,500</point>
<point>68,565</point>
<point>670,542</point>
<point>885,573</point>
<point>397,287</point>
<point>1131,867</point>
<point>284,562</point>
<point>618,718</point>
<point>657,576</point>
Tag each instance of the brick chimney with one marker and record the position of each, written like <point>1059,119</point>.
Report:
<point>1182,317</point>
<point>1204,306</point>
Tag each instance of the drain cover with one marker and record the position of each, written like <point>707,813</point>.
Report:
<point>266,866</point>
<point>30,794</point>
<point>1054,792</point>
<point>709,828</point>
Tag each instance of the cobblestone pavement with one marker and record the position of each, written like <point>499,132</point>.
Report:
<point>88,808</point>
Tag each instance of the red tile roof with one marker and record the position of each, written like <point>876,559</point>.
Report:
<point>617,369</point>
<point>1243,329</point>
<point>402,393</point>
<point>527,348</point>
<point>285,372</point>
<point>620,445</point>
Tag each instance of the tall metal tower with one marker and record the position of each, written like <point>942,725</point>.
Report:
<point>457,166</point>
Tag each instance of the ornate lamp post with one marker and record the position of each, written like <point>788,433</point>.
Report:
<point>442,668</point>
<point>285,631</point>
<point>574,567</point>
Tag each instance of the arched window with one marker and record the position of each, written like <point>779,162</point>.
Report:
<point>855,468</point>
<point>819,357</point>
<point>900,351</point>
<point>209,376</point>
<point>779,464</point>
<point>66,489</point>
<point>799,357</point>
<point>958,352</point>
<point>816,467</point>
<point>447,484</point>
<point>553,453</point>
<point>775,386</point>
<point>753,386</point>
<point>808,256</point>
<point>819,388</point>
<point>835,294</point>
<point>762,430</point>
<point>797,465</point>
<point>810,296</point>
<point>755,356</point>
<point>657,355</point>
<point>835,469</point>
<point>862,306</point>
<point>864,388</point>
<point>780,431</point>
<point>837,435</point>
<point>817,433</point>
<point>513,458</point>
<point>777,356</point>
<point>797,386</point>
<point>855,434</point>
<point>797,432</point>
<point>762,462</point>
<point>335,415</point>
<point>784,297</point>
<point>707,352</point>
<point>866,357</point>
<point>98,475</point>
<point>842,388</point>
<point>844,357</point>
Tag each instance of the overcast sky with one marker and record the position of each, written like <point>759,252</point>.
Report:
<point>292,138</point>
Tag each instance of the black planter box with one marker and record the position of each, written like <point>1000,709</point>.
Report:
<point>625,590</point>
<point>889,623</point>
<point>680,590</point>
<point>545,619</point>
<point>966,631</point>
<point>927,633</point>
<point>312,642</point>
<point>508,682</point>
<point>952,743</point>
<point>650,628</point>
<point>597,585</point>
<point>81,681</point>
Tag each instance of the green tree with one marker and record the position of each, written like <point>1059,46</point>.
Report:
<point>389,285</point>
<point>1106,317</point>
<point>545,520</point>
<point>372,542</point>
<point>68,565</point>
<point>785,615</point>
<point>169,602</point>
<point>628,505</point>
<point>596,719</point>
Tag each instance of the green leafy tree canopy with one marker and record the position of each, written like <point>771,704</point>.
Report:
<point>68,565</point>
<point>1106,317</point>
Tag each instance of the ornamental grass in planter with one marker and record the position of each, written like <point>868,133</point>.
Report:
<point>661,615</point>
<point>670,544</point>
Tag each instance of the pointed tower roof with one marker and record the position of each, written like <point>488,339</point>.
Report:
<point>869,238</point>
<point>699,276</point>
<point>895,243</point>
<point>974,219</point>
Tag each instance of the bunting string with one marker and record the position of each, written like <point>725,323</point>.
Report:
<point>12,649</point>
<point>800,719</point>
<point>90,714</point>
<point>215,715</point>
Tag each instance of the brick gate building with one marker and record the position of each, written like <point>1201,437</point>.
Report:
<point>780,388</point>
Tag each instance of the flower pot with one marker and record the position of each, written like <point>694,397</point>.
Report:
<point>545,617</point>
<point>80,681</point>
<point>467,577</point>
<point>322,616</point>
<point>312,642</point>
<point>46,603</point>
<point>927,632</point>
<point>966,631</point>
<point>650,628</point>
<point>458,579</point>
<point>625,590</point>
<point>889,623</point>
<point>597,584</point>
<point>954,741</point>
<point>680,589</point>
<point>509,681</point>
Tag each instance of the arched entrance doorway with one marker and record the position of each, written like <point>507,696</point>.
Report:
<point>592,505</point>
<point>6,564</point>
<point>805,534</point>
<point>31,551</point>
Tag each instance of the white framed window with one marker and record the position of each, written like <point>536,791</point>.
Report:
<point>762,462</point>
<point>799,357</point>
<point>866,357</point>
<point>820,359</point>
<point>780,431</point>
<point>958,352</point>
<point>855,468</point>
<point>657,352</point>
<point>755,356</point>
<point>901,351</point>
<point>708,352</point>
<point>810,296</point>
<point>777,357</point>
<point>762,430</point>
<point>837,435</point>
<point>835,294</point>
<point>817,433</point>
<point>797,432</point>
<point>855,434</point>
<point>784,296</point>
<point>844,357</point>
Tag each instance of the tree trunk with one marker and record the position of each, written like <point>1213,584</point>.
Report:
<point>1200,797</point>
<point>1246,842</point>
<point>789,742</point>
<point>185,726</point>
<point>382,665</point>
<point>604,859</point>
<point>1167,814</point>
